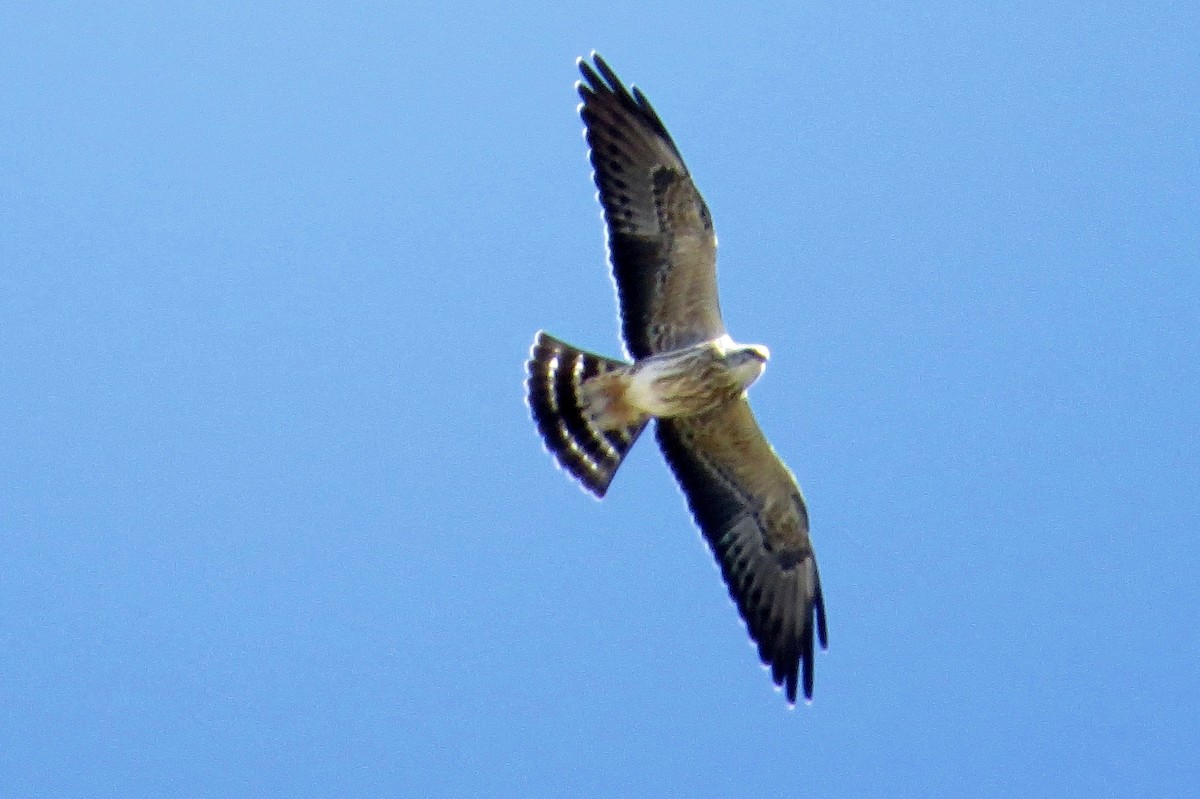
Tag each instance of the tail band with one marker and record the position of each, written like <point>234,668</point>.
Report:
<point>556,374</point>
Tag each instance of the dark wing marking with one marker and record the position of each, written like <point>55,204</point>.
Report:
<point>660,234</point>
<point>752,514</point>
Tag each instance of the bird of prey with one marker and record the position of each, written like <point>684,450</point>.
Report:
<point>687,375</point>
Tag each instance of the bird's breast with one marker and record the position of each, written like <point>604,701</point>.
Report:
<point>683,383</point>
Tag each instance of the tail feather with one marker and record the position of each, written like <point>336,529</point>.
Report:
<point>560,404</point>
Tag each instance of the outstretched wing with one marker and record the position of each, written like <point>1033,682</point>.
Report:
<point>752,514</point>
<point>660,235</point>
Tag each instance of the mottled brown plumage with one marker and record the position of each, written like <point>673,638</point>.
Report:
<point>660,235</point>
<point>688,375</point>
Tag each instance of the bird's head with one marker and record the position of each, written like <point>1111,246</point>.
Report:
<point>748,362</point>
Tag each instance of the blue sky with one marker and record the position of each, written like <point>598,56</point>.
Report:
<point>276,522</point>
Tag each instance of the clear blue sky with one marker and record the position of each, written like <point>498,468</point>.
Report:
<point>275,522</point>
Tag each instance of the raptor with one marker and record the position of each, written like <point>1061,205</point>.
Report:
<point>686,374</point>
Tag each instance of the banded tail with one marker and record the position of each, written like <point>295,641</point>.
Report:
<point>576,399</point>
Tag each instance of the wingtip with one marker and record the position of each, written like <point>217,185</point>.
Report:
<point>587,68</point>
<point>819,610</point>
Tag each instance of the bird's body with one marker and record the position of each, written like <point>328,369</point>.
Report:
<point>688,375</point>
<point>678,383</point>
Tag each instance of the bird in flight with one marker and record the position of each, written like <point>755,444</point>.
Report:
<point>686,374</point>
